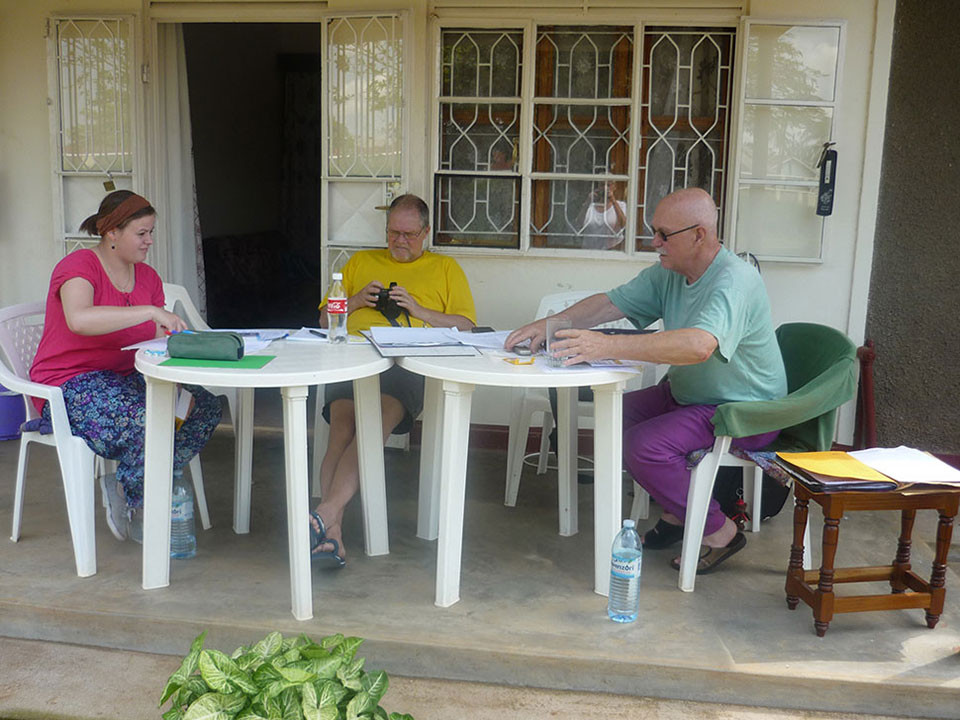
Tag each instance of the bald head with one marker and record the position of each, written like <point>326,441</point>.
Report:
<point>697,207</point>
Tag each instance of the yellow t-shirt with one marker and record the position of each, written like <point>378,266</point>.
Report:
<point>435,281</point>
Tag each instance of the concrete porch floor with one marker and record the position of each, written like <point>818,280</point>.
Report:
<point>527,618</point>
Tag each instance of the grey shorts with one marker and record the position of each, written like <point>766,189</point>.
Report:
<point>405,386</point>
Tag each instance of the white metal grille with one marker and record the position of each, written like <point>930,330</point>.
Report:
<point>581,136</point>
<point>478,190</point>
<point>95,123</point>
<point>365,101</point>
<point>684,121</point>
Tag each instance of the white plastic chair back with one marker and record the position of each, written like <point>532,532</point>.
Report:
<point>21,327</point>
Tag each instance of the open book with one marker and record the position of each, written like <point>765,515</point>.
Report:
<point>872,469</point>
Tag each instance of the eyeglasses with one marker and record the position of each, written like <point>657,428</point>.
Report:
<point>408,236</point>
<point>663,236</point>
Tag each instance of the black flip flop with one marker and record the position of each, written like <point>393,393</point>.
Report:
<point>711,557</point>
<point>662,535</point>
<point>319,537</point>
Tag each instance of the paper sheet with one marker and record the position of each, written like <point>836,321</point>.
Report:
<point>835,464</point>
<point>909,465</point>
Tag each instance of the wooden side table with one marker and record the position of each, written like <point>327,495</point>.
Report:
<point>907,589</point>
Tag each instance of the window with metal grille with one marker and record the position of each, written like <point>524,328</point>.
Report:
<point>574,156</point>
<point>92,115</point>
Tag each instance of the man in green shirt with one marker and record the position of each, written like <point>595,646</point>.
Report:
<point>718,339</point>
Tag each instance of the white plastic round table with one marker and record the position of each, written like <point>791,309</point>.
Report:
<point>449,389</point>
<point>297,365</point>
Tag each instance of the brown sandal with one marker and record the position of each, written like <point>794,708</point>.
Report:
<point>711,557</point>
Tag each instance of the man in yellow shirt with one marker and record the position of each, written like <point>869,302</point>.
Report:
<point>430,290</point>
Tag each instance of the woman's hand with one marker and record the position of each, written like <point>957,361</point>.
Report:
<point>168,321</point>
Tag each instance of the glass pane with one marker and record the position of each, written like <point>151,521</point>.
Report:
<point>365,102</point>
<point>82,195</point>
<point>588,139</point>
<point>477,211</point>
<point>686,85</point>
<point>356,217</point>
<point>584,62</point>
<point>93,63</point>
<point>784,142</point>
<point>779,220</point>
<point>792,63</point>
<point>481,63</point>
<point>479,137</point>
<point>583,214</point>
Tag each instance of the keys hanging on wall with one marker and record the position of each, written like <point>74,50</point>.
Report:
<point>828,179</point>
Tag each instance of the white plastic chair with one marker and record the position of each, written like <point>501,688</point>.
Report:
<point>536,400</point>
<point>21,327</point>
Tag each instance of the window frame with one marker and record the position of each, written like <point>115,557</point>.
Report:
<point>69,240</point>
<point>529,21</point>
<point>735,184</point>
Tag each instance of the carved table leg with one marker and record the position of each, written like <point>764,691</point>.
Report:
<point>901,563</point>
<point>938,576</point>
<point>795,567</point>
<point>823,612</point>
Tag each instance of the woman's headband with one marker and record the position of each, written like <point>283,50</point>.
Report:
<point>121,213</point>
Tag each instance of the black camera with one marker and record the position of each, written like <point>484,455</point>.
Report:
<point>387,305</point>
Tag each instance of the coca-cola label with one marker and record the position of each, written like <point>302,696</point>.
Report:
<point>337,306</point>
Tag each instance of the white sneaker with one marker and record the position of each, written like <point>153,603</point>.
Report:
<point>115,504</point>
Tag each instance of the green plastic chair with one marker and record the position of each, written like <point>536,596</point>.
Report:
<point>821,366</point>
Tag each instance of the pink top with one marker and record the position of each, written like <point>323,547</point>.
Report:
<point>62,354</point>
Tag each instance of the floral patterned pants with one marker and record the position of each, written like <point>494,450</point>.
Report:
<point>108,411</point>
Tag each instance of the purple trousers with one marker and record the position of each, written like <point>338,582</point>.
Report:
<point>658,434</point>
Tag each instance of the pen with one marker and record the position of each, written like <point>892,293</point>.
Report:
<point>317,333</point>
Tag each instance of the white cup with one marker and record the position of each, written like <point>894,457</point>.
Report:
<point>555,323</point>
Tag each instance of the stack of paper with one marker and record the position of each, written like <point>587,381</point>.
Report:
<point>400,341</point>
<point>872,469</point>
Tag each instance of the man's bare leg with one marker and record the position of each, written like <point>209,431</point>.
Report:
<point>340,470</point>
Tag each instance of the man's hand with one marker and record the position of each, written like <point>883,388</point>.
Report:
<point>366,297</point>
<point>406,302</point>
<point>535,332</point>
<point>584,346</point>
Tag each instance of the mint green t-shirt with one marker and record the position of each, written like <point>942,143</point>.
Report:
<point>728,301</point>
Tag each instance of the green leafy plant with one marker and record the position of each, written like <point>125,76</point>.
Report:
<point>277,679</point>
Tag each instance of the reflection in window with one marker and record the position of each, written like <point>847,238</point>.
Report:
<point>477,193</point>
<point>94,78</point>
<point>685,117</point>
<point>365,97</point>
<point>581,135</point>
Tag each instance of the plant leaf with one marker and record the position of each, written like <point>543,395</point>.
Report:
<point>208,707</point>
<point>360,704</point>
<point>348,648</point>
<point>187,666</point>
<point>250,714</point>
<point>291,705</point>
<point>193,688</point>
<point>211,670</point>
<point>266,673</point>
<point>380,714</point>
<point>173,713</point>
<point>400,716</point>
<point>296,675</point>
<point>274,711</point>
<point>309,698</point>
<point>375,683</point>
<point>331,641</point>
<point>325,667</point>
<point>269,646</point>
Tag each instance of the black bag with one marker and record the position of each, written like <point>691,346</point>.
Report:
<point>729,486</point>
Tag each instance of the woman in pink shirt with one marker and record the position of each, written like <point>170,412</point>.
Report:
<point>101,300</point>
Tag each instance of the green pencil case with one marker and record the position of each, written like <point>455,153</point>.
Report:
<point>206,346</point>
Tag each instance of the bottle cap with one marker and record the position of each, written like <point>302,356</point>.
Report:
<point>338,276</point>
<point>628,523</point>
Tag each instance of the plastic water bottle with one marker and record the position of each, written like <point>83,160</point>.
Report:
<point>337,311</point>
<point>626,556</point>
<point>183,539</point>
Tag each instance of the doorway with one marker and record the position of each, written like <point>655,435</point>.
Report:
<point>254,91</point>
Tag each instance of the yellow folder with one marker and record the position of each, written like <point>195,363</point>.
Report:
<point>835,464</point>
